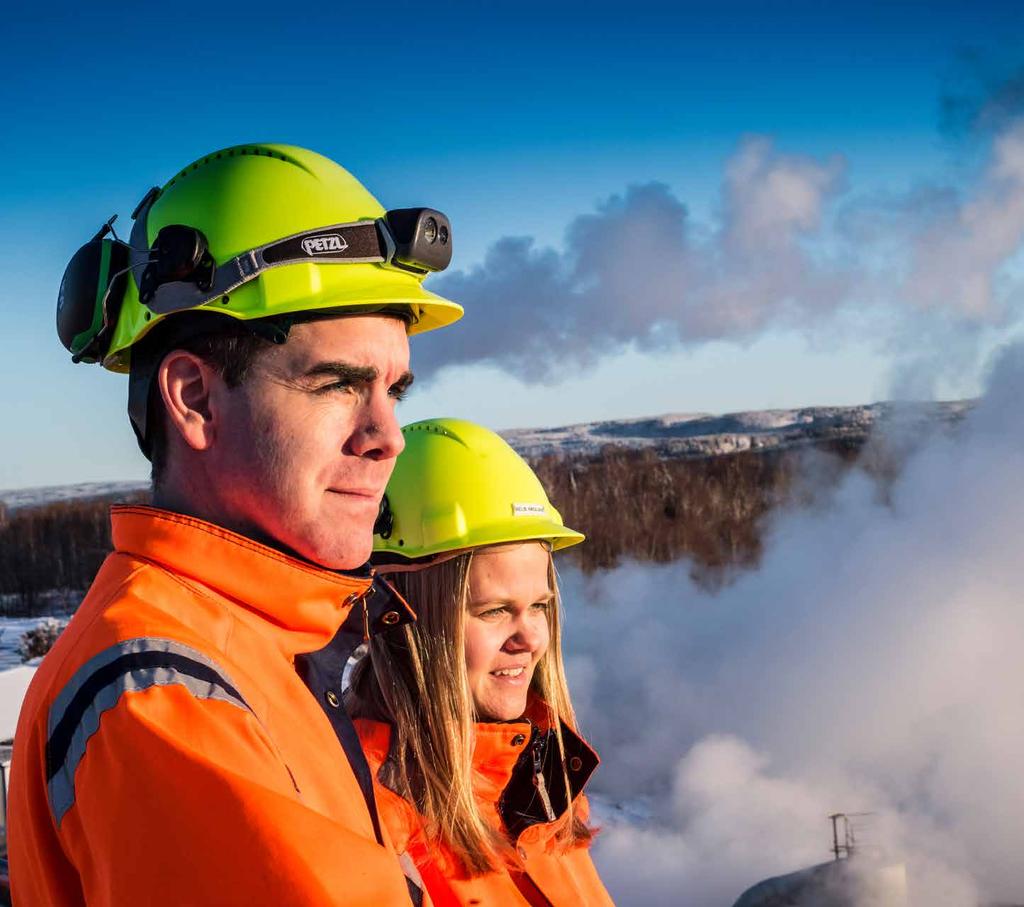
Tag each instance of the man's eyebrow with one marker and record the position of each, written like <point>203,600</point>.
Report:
<point>355,374</point>
<point>343,371</point>
<point>404,381</point>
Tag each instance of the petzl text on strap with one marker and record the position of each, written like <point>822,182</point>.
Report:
<point>352,243</point>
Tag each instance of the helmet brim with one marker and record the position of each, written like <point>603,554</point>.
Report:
<point>522,530</point>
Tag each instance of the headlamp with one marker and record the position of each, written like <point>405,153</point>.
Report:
<point>179,274</point>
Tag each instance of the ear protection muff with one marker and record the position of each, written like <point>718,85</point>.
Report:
<point>90,296</point>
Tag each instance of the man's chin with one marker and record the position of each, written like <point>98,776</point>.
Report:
<point>345,552</point>
<point>334,554</point>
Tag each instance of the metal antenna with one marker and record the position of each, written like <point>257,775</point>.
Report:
<point>108,227</point>
<point>848,847</point>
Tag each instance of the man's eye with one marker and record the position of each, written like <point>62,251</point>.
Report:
<point>398,393</point>
<point>334,386</point>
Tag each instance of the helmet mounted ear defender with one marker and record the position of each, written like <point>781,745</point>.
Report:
<point>251,232</point>
<point>90,295</point>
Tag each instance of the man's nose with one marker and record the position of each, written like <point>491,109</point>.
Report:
<point>377,434</point>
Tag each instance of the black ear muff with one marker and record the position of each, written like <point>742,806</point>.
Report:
<point>90,298</point>
<point>179,253</point>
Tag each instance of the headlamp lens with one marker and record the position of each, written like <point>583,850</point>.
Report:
<point>422,238</point>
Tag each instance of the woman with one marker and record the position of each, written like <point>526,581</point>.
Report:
<point>465,716</point>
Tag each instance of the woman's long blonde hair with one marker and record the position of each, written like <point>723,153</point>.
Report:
<point>415,678</point>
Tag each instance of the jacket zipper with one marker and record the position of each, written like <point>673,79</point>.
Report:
<point>538,778</point>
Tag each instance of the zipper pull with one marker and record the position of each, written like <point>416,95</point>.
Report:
<point>538,780</point>
<point>366,616</point>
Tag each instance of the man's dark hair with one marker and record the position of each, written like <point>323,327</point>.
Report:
<point>230,348</point>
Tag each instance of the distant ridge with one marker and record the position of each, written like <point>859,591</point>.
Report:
<point>671,435</point>
<point>705,435</point>
<point>84,491</point>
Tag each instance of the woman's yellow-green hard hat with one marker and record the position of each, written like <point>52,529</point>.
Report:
<point>458,485</point>
<point>249,199</point>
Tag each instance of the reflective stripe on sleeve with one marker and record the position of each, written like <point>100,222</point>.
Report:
<point>126,667</point>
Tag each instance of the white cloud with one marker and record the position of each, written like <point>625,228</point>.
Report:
<point>922,273</point>
<point>958,259</point>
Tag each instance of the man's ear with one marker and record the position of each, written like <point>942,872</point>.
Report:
<point>186,384</point>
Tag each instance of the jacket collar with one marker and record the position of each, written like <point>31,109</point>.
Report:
<point>519,802</point>
<point>302,605</point>
<point>502,763</point>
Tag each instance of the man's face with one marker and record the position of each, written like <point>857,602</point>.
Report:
<point>305,446</point>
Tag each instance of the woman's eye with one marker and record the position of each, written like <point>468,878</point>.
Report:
<point>492,612</point>
<point>540,606</point>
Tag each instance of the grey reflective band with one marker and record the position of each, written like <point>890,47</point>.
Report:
<point>364,241</point>
<point>126,667</point>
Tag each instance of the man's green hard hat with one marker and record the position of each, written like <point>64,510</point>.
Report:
<point>456,486</point>
<point>245,197</point>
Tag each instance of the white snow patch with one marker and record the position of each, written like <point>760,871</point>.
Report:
<point>13,686</point>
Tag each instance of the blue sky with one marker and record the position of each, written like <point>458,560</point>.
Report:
<point>513,119</point>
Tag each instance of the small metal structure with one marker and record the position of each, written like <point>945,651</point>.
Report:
<point>871,878</point>
<point>847,822</point>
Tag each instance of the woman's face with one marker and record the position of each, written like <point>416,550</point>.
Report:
<point>506,626</point>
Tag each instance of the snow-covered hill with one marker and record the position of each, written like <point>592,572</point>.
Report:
<point>15,499</point>
<point>676,434</point>
<point>703,435</point>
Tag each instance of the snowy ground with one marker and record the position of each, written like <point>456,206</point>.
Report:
<point>11,629</point>
<point>14,676</point>
<point>13,685</point>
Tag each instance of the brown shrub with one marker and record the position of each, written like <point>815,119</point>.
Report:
<point>55,546</point>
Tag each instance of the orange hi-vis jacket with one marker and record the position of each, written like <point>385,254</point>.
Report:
<point>169,752</point>
<point>507,758</point>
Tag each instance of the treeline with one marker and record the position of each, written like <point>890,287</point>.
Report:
<point>630,504</point>
<point>49,551</point>
<point>635,504</point>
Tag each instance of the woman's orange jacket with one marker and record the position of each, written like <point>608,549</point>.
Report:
<point>537,871</point>
<point>168,751</point>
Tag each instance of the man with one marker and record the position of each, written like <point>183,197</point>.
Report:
<point>183,742</point>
